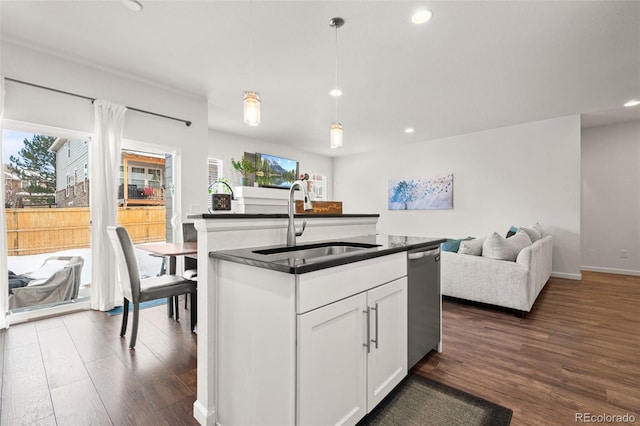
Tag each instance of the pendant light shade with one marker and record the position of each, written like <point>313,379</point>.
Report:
<point>335,135</point>
<point>251,105</point>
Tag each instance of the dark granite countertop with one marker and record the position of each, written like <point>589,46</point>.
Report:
<point>269,215</point>
<point>293,260</point>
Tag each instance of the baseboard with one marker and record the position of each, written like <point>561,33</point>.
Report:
<point>611,270</point>
<point>567,276</point>
<point>201,414</point>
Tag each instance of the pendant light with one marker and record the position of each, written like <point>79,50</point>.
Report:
<point>335,135</point>
<point>251,99</point>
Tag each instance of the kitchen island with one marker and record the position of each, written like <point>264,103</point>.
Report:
<point>311,335</point>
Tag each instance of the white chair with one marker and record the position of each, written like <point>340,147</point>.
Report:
<point>137,290</point>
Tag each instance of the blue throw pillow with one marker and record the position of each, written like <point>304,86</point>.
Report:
<point>512,231</point>
<point>453,245</point>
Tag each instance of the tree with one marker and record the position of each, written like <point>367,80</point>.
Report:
<point>36,165</point>
<point>404,193</point>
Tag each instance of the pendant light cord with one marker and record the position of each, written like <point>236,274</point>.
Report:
<point>336,74</point>
<point>251,44</point>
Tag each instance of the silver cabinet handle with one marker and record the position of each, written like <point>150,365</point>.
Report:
<point>367,344</point>
<point>376,321</point>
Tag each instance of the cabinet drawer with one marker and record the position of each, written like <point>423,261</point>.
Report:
<point>322,287</point>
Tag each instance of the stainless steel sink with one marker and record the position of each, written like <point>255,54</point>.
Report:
<point>309,251</point>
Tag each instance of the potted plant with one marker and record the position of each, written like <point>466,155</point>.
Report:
<point>245,167</point>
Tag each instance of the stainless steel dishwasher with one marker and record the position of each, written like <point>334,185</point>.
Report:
<point>424,302</point>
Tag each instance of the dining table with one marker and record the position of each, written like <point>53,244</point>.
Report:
<point>171,251</point>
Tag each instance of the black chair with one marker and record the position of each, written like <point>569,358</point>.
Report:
<point>137,290</point>
<point>189,234</point>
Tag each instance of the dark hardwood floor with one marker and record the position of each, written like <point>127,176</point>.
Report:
<point>578,351</point>
<point>76,370</point>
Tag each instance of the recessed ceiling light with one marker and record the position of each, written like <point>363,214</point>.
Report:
<point>632,103</point>
<point>409,130</point>
<point>421,16</point>
<point>336,92</point>
<point>134,5</point>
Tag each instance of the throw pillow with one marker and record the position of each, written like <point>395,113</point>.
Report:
<point>498,247</point>
<point>519,241</point>
<point>472,247</point>
<point>512,231</point>
<point>533,233</point>
<point>539,228</point>
<point>453,245</point>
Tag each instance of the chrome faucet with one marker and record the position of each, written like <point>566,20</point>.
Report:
<point>292,233</point>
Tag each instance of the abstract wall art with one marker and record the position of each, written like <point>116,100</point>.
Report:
<point>421,194</point>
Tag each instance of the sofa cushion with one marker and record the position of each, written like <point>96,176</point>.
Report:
<point>498,247</point>
<point>540,229</point>
<point>533,234</point>
<point>453,245</point>
<point>472,247</point>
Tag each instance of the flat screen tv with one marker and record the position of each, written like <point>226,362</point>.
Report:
<point>275,172</point>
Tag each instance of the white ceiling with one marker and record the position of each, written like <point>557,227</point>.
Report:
<point>476,65</point>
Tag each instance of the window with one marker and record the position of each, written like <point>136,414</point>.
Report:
<point>215,173</point>
<point>75,179</point>
<point>68,149</point>
<point>70,183</point>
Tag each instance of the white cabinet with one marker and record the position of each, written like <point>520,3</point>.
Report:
<point>351,353</point>
<point>290,349</point>
<point>332,363</point>
<point>387,360</point>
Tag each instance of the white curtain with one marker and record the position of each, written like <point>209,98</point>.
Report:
<point>3,238</point>
<point>105,167</point>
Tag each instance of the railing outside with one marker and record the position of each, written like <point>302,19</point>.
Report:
<point>47,230</point>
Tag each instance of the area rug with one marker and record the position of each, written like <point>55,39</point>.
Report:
<point>421,401</point>
<point>151,303</point>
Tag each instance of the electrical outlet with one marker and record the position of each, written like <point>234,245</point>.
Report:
<point>624,254</point>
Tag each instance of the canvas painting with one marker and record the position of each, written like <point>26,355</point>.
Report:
<point>421,194</point>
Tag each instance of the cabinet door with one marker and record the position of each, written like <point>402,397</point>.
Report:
<point>332,363</point>
<point>387,361</point>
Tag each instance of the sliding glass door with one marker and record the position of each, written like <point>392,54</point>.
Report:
<point>46,201</point>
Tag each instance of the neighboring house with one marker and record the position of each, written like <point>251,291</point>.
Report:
<point>12,186</point>
<point>17,197</point>
<point>144,174</point>
<point>72,179</point>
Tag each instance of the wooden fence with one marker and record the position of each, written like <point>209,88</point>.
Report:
<point>44,230</point>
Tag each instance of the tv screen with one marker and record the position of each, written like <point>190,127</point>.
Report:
<point>275,172</point>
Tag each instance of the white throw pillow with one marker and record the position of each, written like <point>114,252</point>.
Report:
<point>500,248</point>
<point>538,227</point>
<point>533,234</point>
<point>472,247</point>
<point>49,268</point>
<point>519,241</point>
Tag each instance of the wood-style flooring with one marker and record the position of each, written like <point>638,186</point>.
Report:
<point>578,351</point>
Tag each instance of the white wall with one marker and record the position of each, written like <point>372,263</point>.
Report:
<point>225,146</point>
<point>37,106</point>
<point>611,198</point>
<point>514,175</point>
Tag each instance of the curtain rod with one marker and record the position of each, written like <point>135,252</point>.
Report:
<point>187,122</point>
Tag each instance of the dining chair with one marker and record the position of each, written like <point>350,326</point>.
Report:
<point>137,290</point>
<point>189,234</point>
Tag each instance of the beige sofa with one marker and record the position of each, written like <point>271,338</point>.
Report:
<point>510,284</point>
